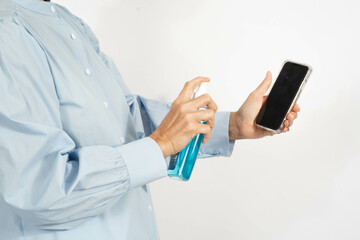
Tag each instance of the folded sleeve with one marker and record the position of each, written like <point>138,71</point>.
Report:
<point>219,143</point>
<point>143,171</point>
<point>47,180</point>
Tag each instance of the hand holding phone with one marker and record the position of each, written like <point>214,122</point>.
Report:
<point>249,121</point>
<point>283,95</point>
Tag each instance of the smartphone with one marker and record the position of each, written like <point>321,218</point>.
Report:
<point>283,95</point>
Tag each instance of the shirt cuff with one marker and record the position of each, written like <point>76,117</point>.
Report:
<point>144,161</point>
<point>219,143</point>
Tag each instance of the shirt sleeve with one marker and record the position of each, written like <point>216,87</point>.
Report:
<point>49,181</point>
<point>148,114</point>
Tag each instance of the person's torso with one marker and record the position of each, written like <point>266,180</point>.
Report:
<point>93,111</point>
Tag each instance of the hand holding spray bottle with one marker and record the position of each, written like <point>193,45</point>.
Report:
<point>182,163</point>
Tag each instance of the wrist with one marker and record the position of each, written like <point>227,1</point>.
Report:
<point>233,128</point>
<point>164,144</point>
<point>237,126</point>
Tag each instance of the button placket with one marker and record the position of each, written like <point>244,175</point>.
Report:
<point>80,53</point>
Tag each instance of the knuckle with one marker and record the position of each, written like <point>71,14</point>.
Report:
<point>204,129</point>
<point>207,97</point>
<point>252,94</point>
<point>211,113</point>
<point>199,78</point>
<point>175,103</point>
<point>207,129</point>
<point>176,109</point>
<point>190,127</point>
<point>188,122</point>
<point>182,108</point>
<point>187,84</point>
<point>187,128</point>
<point>187,118</point>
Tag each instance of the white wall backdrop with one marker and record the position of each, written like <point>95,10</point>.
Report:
<point>301,185</point>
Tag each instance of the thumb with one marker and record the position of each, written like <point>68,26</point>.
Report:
<point>265,85</point>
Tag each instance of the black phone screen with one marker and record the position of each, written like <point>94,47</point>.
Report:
<point>281,96</point>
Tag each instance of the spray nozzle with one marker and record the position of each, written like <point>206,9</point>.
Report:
<point>201,90</point>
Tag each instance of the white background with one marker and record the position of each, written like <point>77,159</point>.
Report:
<point>301,185</point>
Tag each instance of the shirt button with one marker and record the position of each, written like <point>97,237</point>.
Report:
<point>52,8</point>
<point>106,105</point>
<point>73,36</point>
<point>150,207</point>
<point>88,71</point>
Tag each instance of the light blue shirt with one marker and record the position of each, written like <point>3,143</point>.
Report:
<point>75,156</point>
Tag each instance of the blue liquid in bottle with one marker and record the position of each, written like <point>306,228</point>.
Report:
<point>182,164</point>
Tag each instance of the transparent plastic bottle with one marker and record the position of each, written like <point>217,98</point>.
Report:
<point>182,163</point>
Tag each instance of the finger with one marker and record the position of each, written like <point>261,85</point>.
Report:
<point>207,134</point>
<point>211,122</point>
<point>287,123</point>
<point>190,87</point>
<point>265,85</point>
<point>202,128</point>
<point>291,116</point>
<point>206,137</point>
<point>204,101</point>
<point>296,108</point>
<point>286,129</point>
<point>207,115</point>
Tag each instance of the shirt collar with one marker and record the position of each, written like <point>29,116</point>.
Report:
<point>47,8</point>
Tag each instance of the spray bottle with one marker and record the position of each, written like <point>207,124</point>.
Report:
<point>182,163</point>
